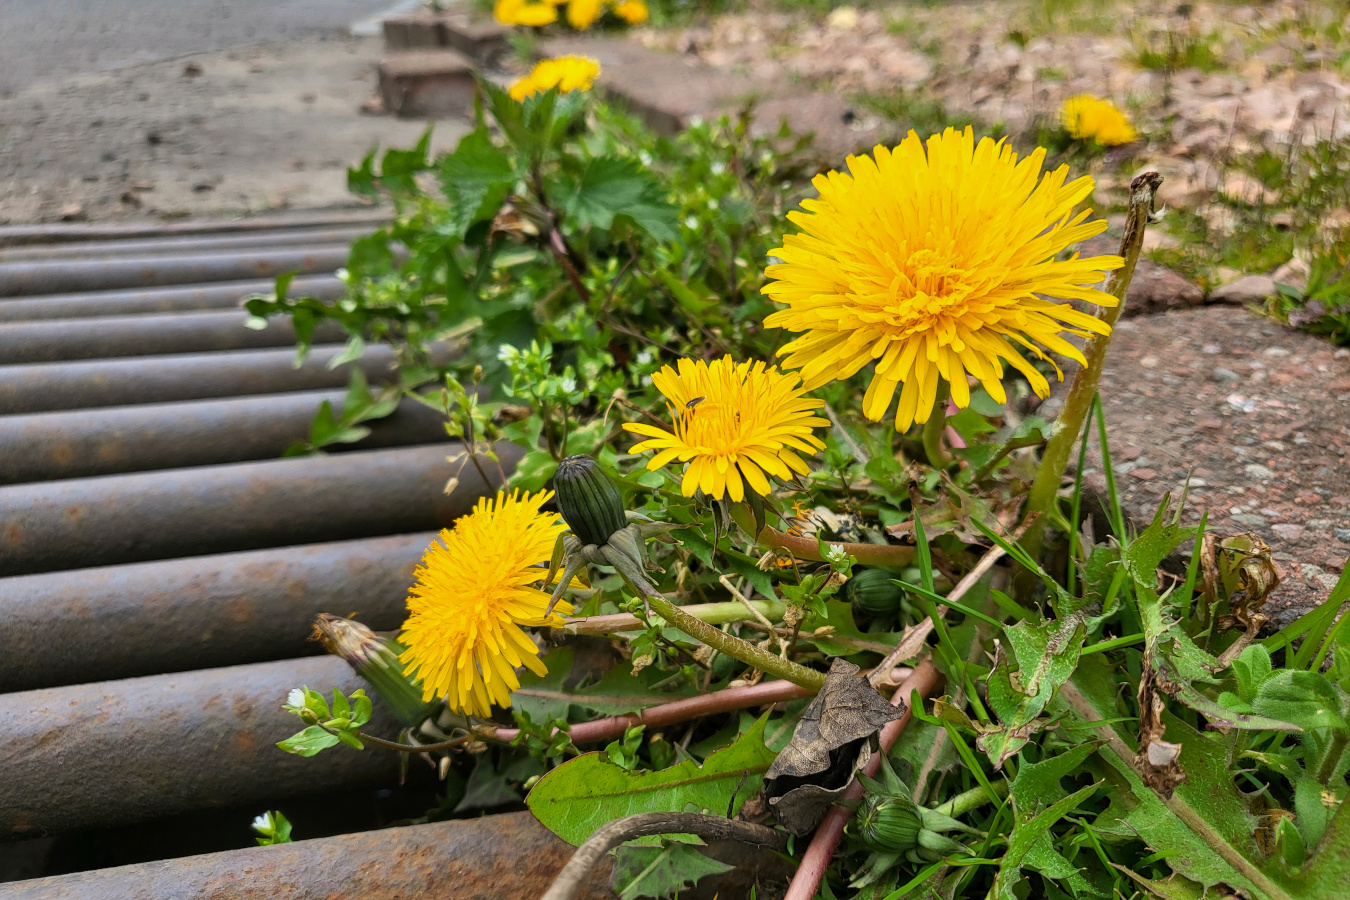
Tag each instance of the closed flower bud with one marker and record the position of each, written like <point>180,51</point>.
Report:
<point>873,593</point>
<point>889,824</point>
<point>376,660</point>
<point>589,501</point>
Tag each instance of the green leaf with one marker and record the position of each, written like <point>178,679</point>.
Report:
<point>476,179</point>
<point>309,742</point>
<point>1046,654</point>
<point>612,186</point>
<point>660,871</point>
<point>1026,835</point>
<point>1305,699</point>
<point>585,793</point>
<point>534,470</point>
<point>542,696</point>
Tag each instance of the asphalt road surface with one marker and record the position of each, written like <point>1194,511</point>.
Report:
<point>46,39</point>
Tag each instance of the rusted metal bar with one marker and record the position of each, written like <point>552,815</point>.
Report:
<point>226,295</point>
<point>109,337</point>
<point>204,243</point>
<point>58,525</point>
<point>15,235</point>
<point>22,279</point>
<point>503,856</point>
<point>118,439</point>
<point>119,752</point>
<point>40,387</point>
<point>169,616</point>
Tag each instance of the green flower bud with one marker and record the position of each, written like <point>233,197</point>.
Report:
<point>889,824</point>
<point>873,593</point>
<point>590,502</point>
<point>376,660</point>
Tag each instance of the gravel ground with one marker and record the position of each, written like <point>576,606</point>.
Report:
<point>247,130</point>
<point>1257,415</point>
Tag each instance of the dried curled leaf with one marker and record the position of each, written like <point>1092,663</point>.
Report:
<point>828,746</point>
<point>1157,759</point>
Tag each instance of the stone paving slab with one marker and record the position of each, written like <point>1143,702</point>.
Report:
<point>668,90</point>
<point>1257,414</point>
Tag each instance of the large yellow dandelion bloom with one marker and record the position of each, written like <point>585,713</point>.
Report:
<point>582,14</point>
<point>634,12</point>
<point>473,593</point>
<point>732,422</point>
<point>933,265</point>
<point>524,12</point>
<point>1086,116</point>
<point>566,73</point>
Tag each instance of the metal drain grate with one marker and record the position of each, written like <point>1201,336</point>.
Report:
<point>160,564</point>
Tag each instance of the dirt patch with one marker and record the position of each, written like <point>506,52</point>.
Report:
<point>263,128</point>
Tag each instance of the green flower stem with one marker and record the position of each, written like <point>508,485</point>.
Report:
<point>1084,387</point>
<point>1339,738</point>
<point>935,428</point>
<point>712,613</point>
<point>733,646</point>
<point>971,799</point>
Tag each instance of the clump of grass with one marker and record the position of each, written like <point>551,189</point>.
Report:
<point>1172,50</point>
<point>910,110</point>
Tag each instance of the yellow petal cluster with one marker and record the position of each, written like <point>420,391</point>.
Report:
<point>582,14</point>
<point>473,594</point>
<point>733,423</point>
<point>1088,117</point>
<point>934,262</point>
<point>524,12</point>
<point>634,12</point>
<point>566,73</point>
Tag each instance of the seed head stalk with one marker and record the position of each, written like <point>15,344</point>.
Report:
<point>1084,386</point>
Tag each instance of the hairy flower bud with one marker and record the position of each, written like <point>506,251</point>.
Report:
<point>873,593</point>
<point>376,660</point>
<point>590,502</point>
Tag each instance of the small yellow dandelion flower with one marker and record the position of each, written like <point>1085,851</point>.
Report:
<point>1086,116</point>
<point>504,11</point>
<point>566,73</point>
<point>932,265</point>
<point>634,12</point>
<point>732,422</point>
<point>582,14</point>
<point>536,15</point>
<point>474,591</point>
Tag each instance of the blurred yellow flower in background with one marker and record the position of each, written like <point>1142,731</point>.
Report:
<point>932,265</point>
<point>634,12</point>
<point>567,73</point>
<point>1089,117</point>
<point>582,14</point>
<point>732,421</point>
<point>473,594</point>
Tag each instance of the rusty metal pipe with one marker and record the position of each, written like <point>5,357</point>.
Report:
<point>205,243</point>
<point>503,856</point>
<point>119,752</point>
<point>110,337</point>
<point>58,525</point>
<point>118,439</point>
<point>226,295</point>
<point>16,235</point>
<point>40,387</point>
<point>169,616</point>
<point>22,279</point>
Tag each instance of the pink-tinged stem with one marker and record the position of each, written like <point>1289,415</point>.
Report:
<point>763,694</point>
<point>925,679</point>
<point>952,437</point>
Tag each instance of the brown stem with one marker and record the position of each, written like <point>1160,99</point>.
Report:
<point>577,870</point>
<point>806,548</point>
<point>563,254</point>
<point>926,680</point>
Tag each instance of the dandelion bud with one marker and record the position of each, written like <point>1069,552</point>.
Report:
<point>889,824</point>
<point>376,660</point>
<point>589,501</point>
<point>873,593</point>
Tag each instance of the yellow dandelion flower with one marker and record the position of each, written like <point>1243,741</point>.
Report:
<point>933,265</point>
<point>474,591</point>
<point>732,421</point>
<point>566,73</point>
<point>1086,116</point>
<point>536,15</point>
<point>634,12</point>
<point>582,14</point>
